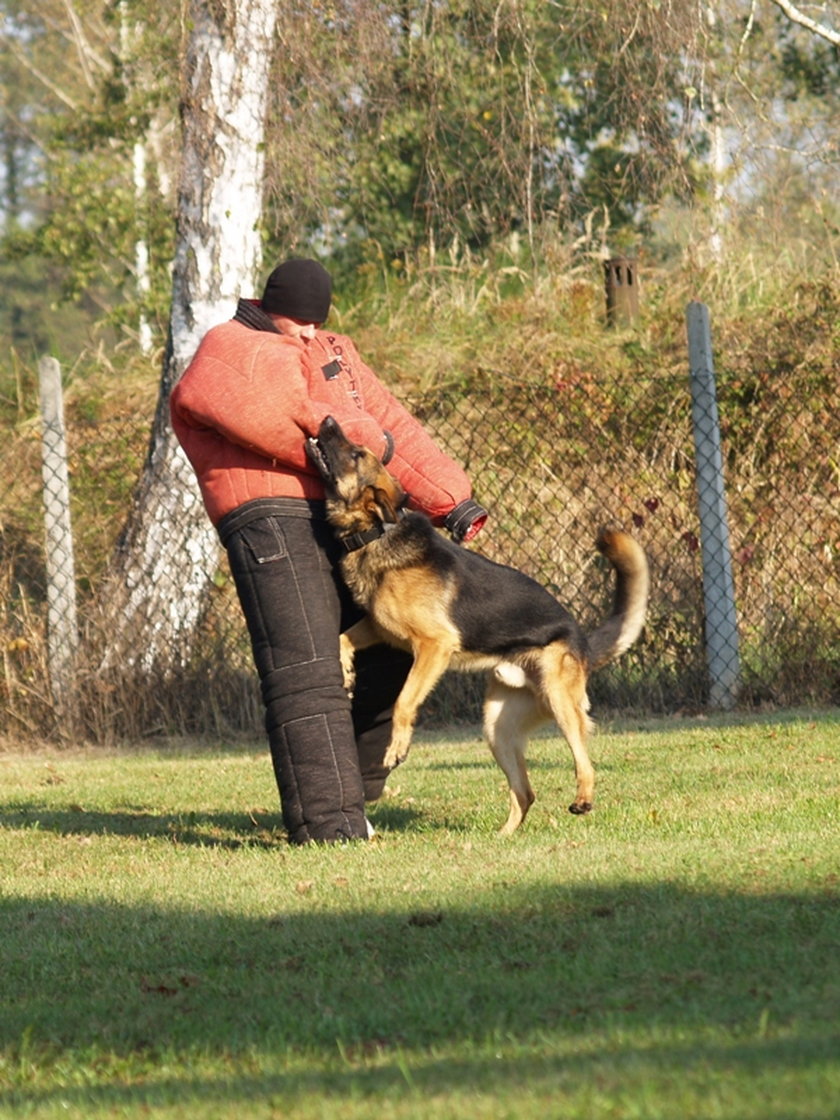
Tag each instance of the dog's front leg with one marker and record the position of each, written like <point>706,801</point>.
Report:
<point>359,636</point>
<point>347,656</point>
<point>430,662</point>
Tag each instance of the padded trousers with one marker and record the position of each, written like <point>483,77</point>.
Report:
<point>326,751</point>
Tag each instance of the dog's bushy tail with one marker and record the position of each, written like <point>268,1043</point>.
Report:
<point>618,632</point>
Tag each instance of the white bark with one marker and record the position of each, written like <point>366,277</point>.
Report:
<point>220,196</point>
<point>796,15</point>
<point>142,279</point>
<point>717,153</point>
<point>141,247</point>
<point>169,551</point>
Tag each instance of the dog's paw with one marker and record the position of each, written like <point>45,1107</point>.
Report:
<point>393,758</point>
<point>400,742</point>
<point>580,807</point>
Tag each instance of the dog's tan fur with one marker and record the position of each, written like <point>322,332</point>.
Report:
<point>416,586</point>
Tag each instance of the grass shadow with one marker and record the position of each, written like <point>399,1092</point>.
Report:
<point>210,830</point>
<point>556,959</point>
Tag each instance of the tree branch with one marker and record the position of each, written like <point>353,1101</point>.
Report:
<point>20,55</point>
<point>796,16</point>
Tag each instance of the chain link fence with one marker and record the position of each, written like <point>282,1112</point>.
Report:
<point>552,462</point>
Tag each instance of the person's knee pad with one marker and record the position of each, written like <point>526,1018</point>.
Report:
<point>313,749</point>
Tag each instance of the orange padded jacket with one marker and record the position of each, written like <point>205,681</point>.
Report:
<point>250,397</point>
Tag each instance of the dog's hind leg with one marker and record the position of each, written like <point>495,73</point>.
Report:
<point>509,714</point>
<point>564,688</point>
<point>430,662</point>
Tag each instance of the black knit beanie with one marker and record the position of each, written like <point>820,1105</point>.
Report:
<point>298,289</point>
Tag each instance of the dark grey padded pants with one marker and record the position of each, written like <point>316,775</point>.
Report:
<point>327,753</point>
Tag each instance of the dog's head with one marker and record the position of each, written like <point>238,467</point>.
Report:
<point>360,492</point>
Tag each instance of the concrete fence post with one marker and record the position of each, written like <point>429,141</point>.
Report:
<point>62,631</point>
<point>721,623</point>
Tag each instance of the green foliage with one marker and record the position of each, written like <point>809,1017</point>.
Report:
<point>809,65</point>
<point>403,127</point>
<point>83,213</point>
<point>466,121</point>
<point>35,320</point>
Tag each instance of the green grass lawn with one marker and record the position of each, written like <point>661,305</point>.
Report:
<point>675,954</point>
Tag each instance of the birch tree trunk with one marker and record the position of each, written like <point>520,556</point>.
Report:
<point>168,552</point>
<point>717,149</point>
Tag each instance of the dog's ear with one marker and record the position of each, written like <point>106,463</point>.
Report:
<point>389,502</point>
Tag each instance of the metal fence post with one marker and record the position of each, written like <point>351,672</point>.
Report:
<point>718,586</point>
<point>62,632</point>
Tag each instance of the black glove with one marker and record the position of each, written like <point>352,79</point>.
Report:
<point>465,520</point>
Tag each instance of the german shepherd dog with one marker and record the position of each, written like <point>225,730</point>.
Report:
<point>453,608</point>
